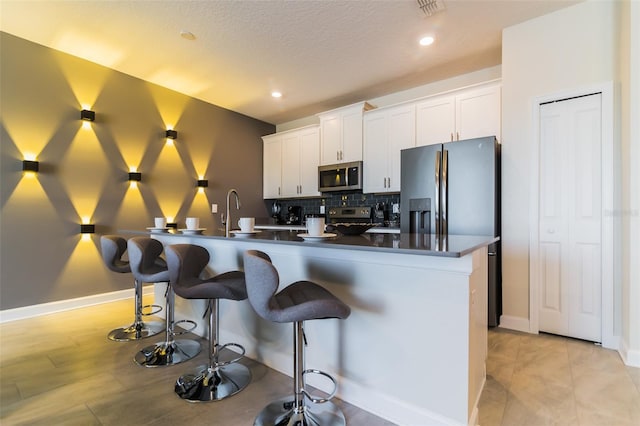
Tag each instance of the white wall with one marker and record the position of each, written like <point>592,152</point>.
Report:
<point>631,192</point>
<point>575,47</point>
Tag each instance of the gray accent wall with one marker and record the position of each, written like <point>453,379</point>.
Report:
<point>83,169</point>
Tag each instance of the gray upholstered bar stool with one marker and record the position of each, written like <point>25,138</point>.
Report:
<point>113,248</point>
<point>143,255</point>
<point>296,303</point>
<point>218,379</point>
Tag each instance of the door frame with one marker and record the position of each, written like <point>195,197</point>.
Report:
<point>610,227</point>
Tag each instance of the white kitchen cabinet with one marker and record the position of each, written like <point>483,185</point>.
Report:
<point>386,132</point>
<point>462,115</point>
<point>272,166</point>
<point>341,134</point>
<point>436,120</point>
<point>478,113</point>
<point>291,163</point>
<point>300,158</point>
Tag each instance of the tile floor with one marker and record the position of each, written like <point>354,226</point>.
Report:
<point>535,380</point>
<point>59,369</point>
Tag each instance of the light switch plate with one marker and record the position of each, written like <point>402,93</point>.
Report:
<point>214,208</point>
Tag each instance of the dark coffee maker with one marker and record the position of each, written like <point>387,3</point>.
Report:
<point>294,215</point>
<point>379,214</point>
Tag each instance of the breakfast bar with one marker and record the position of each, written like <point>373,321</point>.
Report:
<point>413,350</point>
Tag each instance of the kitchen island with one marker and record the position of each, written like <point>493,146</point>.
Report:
<point>413,350</point>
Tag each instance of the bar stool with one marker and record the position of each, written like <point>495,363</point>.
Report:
<point>113,248</point>
<point>143,255</point>
<point>218,379</point>
<point>296,303</point>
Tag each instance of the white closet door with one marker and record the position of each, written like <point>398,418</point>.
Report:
<point>570,221</point>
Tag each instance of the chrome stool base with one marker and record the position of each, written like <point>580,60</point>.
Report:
<point>136,331</point>
<point>167,353</point>
<point>212,384</point>
<point>282,413</point>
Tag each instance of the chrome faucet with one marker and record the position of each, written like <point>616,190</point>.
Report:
<point>227,225</point>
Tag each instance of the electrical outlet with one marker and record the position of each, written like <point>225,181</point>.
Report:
<point>321,209</point>
<point>214,208</point>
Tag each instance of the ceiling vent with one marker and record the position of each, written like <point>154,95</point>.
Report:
<point>429,7</point>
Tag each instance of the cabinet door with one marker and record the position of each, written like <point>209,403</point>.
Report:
<point>351,149</point>
<point>272,166</point>
<point>478,113</point>
<point>331,134</point>
<point>291,165</point>
<point>374,171</point>
<point>402,134</point>
<point>309,161</point>
<point>436,121</point>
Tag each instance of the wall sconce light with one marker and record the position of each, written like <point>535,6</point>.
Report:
<point>135,176</point>
<point>203,183</point>
<point>172,134</point>
<point>87,228</point>
<point>30,166</point>
<point>87,115</point>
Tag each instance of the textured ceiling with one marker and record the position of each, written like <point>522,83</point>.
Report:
<point>320,54</point>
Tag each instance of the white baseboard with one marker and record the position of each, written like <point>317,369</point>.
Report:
<point>514,323</point>
<point>65,305</point>
<point>629,357</point>
<point>388,407</point>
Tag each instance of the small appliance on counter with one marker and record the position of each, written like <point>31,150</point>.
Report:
<point>275,213</point>
<point>379,214</point>
<point>294,215</point>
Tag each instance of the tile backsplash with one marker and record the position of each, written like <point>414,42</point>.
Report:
<point>337,199</point>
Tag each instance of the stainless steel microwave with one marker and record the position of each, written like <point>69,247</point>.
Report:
<point>340,177</point>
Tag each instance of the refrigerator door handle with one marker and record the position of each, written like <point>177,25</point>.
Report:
<point>444,226</point>
<point>436,198</point>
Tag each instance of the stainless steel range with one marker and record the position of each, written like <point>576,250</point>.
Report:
<point>349,215</point>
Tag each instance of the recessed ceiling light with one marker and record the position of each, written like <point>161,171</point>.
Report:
<point>276,94</point>
<point>187,35</point>
<point>426,41</point>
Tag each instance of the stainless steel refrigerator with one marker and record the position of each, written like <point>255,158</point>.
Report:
<point>454,188</point>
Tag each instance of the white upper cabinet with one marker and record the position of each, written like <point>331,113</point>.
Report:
<point>478,113</point>
<point>341,134</point>
<point>272,166</point>
<point>436,120</point>
<point>291,163</point>
<point>464,115</point>
<point>386,132</point>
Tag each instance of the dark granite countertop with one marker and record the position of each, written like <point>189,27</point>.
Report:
<point>415,244</point>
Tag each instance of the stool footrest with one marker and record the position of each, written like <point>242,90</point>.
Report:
<point>236,359</point>
<point>320,400</point>
<point>178,333</point>
<point>157,308</point>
